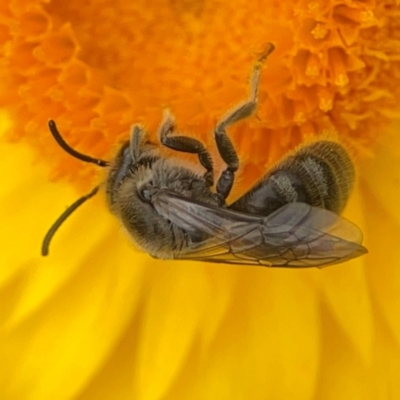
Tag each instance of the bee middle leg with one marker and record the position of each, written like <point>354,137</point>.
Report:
<point>241,111</point>
<point>186,145</point>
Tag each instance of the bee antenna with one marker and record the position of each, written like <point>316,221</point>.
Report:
<point>63,144</point>
<point>51,232</point>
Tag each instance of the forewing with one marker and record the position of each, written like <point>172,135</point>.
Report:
<point>296,235</point>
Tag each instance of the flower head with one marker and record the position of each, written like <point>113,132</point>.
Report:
<point>100,320</point>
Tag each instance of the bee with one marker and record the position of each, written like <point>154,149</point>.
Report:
<point>290,218</point>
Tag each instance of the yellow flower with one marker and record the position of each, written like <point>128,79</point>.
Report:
<point>99,320</point>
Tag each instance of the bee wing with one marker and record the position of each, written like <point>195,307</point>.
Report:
<point>296,235</point>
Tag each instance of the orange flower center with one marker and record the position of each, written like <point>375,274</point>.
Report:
<point>96,69</point>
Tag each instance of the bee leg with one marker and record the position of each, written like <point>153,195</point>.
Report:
<point>241,111</point>
<point>186,145</point>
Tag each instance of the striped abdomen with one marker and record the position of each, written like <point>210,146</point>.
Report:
<point>320,174</point>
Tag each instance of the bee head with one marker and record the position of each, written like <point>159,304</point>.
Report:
<point>134,156</point>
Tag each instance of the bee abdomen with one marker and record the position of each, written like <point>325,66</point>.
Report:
<point>320,174</point>
<point>326,173</point>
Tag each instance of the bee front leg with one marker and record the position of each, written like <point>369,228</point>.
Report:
<point>241,111</point>
<point>186,145</point>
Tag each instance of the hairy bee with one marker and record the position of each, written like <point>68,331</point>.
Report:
<point>290,218</point>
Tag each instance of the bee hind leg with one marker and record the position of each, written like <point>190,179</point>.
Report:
<point>186,145</point>
<point>241,111</point>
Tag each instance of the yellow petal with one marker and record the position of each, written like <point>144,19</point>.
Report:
<point>381,186</point>
<point>62,315</point>
<point>346,292</point>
